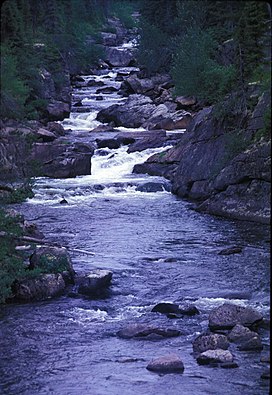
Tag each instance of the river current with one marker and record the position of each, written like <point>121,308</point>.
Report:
<point>159,249</point>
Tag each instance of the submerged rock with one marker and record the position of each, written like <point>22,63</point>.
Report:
<point>167,364</point>
<point>228,315</point>
<point>231,250</point>
<point>146,332</point>
<point>173,310</point>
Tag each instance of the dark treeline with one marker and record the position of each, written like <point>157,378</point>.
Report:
<point>55,35</point>
<point>210,47</point>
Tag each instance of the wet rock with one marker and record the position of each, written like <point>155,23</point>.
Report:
<point>107,89</point>
<point>251,343</point>
<point>266,374</point>
<point>78,104</point>
<point>229,365</point>
<point>56,128</point>
<point>63,201</point>
<point>132,114</point>
<point>61,159</point>
<point>125,140</point>
<point>215,356</point>
<point>146,332</point>
<point>206,342</point>
<point>99,98</point>
<point>109,39</point>
<point>172,308</point>
<point>103,128</point>
<point>43,287</point>
<point>265,358</point>
<point>95,282</point>
<point>95,83</point>
<point>239,332</point>
<point>118,58</point>
<point>231,250</point>
<point>153,187</point>
<point>46,135</point>
<point>58,110</point>
<point>166,364</point>
<point>228,315</point>
<point>108,143</point>
<point>154,141</point>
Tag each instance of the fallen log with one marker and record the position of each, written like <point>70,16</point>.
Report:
<point>28,239</point>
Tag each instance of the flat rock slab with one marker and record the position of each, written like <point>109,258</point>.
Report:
<point>231,250</point>
<point>167,364</point>
<point>228,315</point>
<point>147,332</point>
<point>215,356</point>
<point>210,342</point>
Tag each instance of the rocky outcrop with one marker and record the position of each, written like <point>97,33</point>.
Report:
<point>42,287</point>
<point>166,364</point>
<point>227,172</point>
<point>61,160</point>
<point>33,149</point>
<point>119,57</point>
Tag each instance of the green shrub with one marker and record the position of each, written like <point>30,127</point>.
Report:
<point>195,71</point>
<point>11,265</point>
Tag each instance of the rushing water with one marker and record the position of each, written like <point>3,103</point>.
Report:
<point>159,249</point>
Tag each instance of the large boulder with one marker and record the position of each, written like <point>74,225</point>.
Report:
<point>132,114</point>
<point>42,287</point>
<point>246,339</point>
<point>57,110</point>
<point>167,364</point>
<point>61,160</point>
<point>228,315</point>
<point>175,310</point>
<point>94,283</point>
<point>118,57</point>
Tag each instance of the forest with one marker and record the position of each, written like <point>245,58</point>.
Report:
<point>218,49</point>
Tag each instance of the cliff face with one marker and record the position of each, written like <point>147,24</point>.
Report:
<point>226,172</point>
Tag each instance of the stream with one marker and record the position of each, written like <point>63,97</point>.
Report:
<point>159,249</point>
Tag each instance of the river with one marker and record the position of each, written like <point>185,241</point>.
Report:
<point>159,249</point>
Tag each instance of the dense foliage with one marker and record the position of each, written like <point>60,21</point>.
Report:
<point>11,266</point>
<point>209,47</point>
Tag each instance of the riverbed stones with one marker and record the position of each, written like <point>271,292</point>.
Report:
<point>95,282</point>
<point>214,357</point>
<point>144,331</point>
<point>171,363</point>
<point>212,341</point>
<point>228,315</point>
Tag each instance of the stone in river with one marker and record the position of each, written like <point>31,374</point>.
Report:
<point>228,315</point>
<point>175,309</point>
<point>145,331</point>
<point>211,341</point>
<point>214,356</point>
<point>95,282</point>
<point>231,250</point>
<point>166,364</point>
